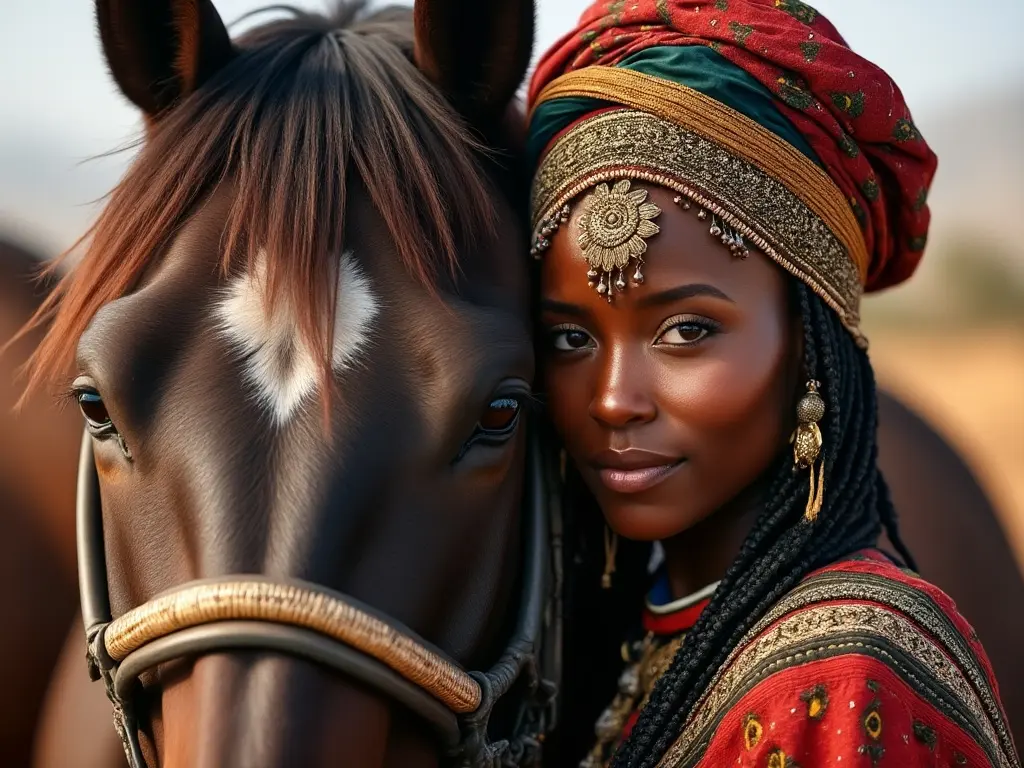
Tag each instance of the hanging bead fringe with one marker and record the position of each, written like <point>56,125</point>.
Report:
<point>611,545</point>
<point>815,493</point>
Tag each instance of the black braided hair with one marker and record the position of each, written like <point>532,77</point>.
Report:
<point>779,551</point>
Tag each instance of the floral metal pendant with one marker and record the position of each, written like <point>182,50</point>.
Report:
<point>614,226</point>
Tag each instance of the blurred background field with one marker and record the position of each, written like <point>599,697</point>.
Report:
<point>951,342</point>
<point>967,382</point>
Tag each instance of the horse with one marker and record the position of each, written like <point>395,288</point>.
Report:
<point>301,342</point>
<point>953,530</point>
<point>38,461</point>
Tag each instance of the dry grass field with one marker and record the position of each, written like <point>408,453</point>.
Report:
<point>969,385</point>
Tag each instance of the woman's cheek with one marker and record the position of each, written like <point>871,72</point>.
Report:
<point>717,392</point>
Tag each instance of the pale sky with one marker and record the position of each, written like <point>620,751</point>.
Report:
<point>58,102</point>
<point>935,49</point>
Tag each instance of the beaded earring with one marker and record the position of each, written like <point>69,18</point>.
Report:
<point>807,442</point>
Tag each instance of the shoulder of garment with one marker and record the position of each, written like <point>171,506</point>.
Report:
<point>862,663</point>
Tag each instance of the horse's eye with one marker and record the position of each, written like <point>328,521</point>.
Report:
<point>500,416</point>
<point>496,424</point>
<point>94,410</point>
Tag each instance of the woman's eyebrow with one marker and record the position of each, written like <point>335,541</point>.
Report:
<point>682,292</point>
<point>562,308</point>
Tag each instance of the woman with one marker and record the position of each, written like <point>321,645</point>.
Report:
<point>717,184</point>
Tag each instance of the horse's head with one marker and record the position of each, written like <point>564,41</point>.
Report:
<point>304,353</point>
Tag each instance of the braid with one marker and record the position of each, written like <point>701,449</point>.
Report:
<point>782,547</point>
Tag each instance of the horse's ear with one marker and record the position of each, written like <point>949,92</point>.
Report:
<point>160,51</point>
<point>476,51</point>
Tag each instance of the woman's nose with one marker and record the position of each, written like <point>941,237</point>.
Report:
<point>622,395</point>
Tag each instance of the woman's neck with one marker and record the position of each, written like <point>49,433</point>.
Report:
<point>702,554</point>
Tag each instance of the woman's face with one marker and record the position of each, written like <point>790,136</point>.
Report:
<point>676,397</point>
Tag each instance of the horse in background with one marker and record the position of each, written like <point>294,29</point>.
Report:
<point>953,530</point>
<point>38,461</point>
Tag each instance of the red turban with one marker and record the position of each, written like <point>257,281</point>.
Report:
<point>849,111</point>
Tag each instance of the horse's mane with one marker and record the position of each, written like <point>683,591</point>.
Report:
<point>308,102</point>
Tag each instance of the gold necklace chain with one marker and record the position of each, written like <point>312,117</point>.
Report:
<point>646,661</point>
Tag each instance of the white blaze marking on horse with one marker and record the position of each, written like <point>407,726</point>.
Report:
<point>277,363</point>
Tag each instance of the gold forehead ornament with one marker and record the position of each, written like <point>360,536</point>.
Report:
<point>614,227</point>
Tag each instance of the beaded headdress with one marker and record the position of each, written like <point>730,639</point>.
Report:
<point>760,117</point>
<point>751,186</point>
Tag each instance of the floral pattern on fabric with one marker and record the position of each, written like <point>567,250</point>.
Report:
<point>779,759</point>
<point>883,727</point>
<point>851,113</point>
<point>752,731</point>
<point>816,700</point>
<point>872,724</point>
<point>799,11</point>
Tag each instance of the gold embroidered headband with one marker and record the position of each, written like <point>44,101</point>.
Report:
<point>755,187</point>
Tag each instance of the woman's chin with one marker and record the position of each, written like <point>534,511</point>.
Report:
<point>640,521</point>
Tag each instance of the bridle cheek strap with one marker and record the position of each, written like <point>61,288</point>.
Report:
<point>253,612</point>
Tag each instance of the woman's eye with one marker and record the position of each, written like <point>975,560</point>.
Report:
<point>682,333</point>
<point>94,410</point>
<point>500,416</point>
<point>570,339</point>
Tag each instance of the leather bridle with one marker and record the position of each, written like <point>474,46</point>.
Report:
<point>318,624</point>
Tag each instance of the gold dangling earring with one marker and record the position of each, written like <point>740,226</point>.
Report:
<point>611,544</point>
<point>807,442</point>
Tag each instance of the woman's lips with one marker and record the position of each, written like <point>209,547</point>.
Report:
<point>633,471</point>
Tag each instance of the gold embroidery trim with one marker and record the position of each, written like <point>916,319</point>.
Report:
<point>626,144</point>
<point>296,606</point>
<point>918,605</point>
<point>822,623</point>
<point>732,130</point>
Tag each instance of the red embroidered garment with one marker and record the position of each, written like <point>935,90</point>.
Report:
<point>863,664</point>
<point>839,712</point>
<point>851,113</point>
